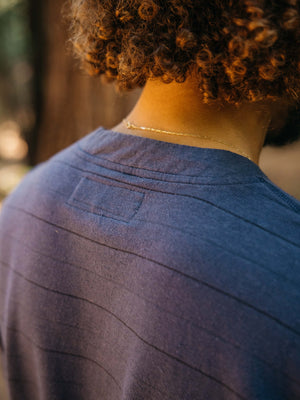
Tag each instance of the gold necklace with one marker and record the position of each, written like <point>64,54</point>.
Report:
<point>130,125</point>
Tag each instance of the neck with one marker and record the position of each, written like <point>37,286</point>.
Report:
<point>177,107</point>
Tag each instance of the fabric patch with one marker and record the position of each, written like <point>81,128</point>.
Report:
<point>105,199</point>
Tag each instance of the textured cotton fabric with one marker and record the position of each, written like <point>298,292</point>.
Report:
<point>135,269</point>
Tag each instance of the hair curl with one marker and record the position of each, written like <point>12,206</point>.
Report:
<point>238,50</point>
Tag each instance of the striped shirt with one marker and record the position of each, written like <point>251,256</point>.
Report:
<point>135,269</point>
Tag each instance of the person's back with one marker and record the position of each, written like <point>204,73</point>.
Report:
<point>155,260</point>
<point>145,270</point>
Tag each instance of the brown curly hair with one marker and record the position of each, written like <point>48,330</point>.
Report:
<point>239,50</point>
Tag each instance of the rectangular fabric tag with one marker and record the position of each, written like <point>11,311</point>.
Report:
<point>98,197</point>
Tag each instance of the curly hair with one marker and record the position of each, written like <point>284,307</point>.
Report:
<point>238,50</point>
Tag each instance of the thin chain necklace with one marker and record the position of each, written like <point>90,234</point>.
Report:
<point>130,125</point>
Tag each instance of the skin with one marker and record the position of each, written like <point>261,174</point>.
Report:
<point>177,107</point>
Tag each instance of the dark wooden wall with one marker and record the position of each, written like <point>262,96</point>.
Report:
<point>69,103</point>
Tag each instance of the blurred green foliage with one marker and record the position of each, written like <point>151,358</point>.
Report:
<point>14,32</point>
<point>15,50</point>
<point>16,105</point>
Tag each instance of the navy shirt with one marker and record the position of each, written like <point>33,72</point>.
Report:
<point>135,269</point>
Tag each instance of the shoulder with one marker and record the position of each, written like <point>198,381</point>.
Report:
<point>41,199</point>
<point>54,177</point>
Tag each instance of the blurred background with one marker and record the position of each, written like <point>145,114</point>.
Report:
<point>47,103</point>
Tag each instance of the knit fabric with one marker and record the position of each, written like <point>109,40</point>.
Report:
<point>135,269</point>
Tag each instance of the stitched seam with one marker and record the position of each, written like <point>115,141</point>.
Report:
<point>254,182</point>
<point>277,191</point>
<point>207,202</point>
<point>133,167</point>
